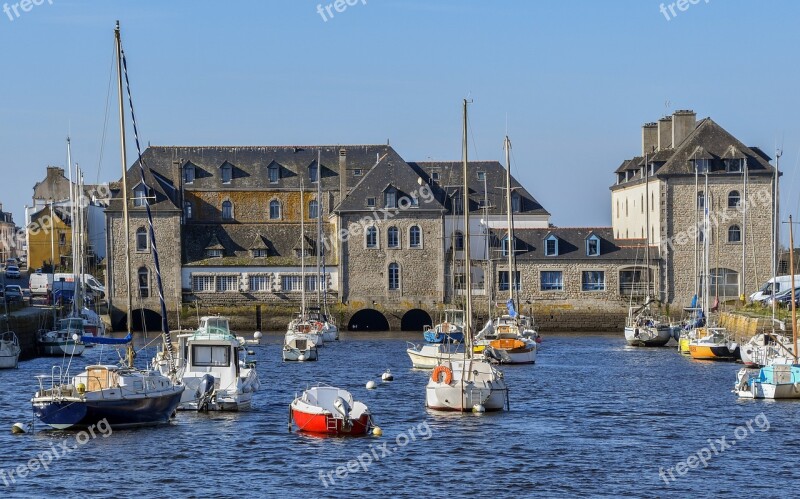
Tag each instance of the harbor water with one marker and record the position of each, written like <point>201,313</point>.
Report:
<point>593,417</point>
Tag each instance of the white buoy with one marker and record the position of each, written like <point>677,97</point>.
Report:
<point>387,376</point>
<point>301,358</point>
<point>371,385</point>
<point>18,428</point>
<point>257,335</point>
<point>377,431</point>
<point>478,408</point>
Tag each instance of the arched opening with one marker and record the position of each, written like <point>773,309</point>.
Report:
<point>143,318</point>
<point>368,320</point>
<point>415,320</point>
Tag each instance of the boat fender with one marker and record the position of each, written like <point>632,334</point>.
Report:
<point>491,354</point>
<point>448,374</point>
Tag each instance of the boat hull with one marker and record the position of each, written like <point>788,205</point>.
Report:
<point>428,358</point>
<point>648,336</point>
<point>327,424</point>
<point>295,355</point>
<point>57,349</point>
<point>9,361</point>
<point>74,413</point>
<point>713,352</point>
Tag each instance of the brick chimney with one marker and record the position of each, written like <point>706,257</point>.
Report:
<point>665,133</point>
<point>342,173</point>
<point>683,123</point>
<point>649,138</point>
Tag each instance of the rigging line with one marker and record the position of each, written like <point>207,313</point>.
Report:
<point>111,75</point>
<point>164,325</point>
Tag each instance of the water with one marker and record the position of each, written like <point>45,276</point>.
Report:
<point>592,418</point>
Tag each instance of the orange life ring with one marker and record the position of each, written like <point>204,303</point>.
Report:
<point>448,374</point>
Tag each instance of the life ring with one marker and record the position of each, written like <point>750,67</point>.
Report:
<point>448,374</point>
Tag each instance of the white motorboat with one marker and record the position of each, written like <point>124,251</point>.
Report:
<point>9,350</point>
<point>298,348</point>
<point>503,341</point>
<point>214,366</point>
<point>428,356</point>
<point>777,381</point>
<point>764,349</point>
<point>63,341</point>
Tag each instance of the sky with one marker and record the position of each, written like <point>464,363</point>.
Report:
<point>570,81</point>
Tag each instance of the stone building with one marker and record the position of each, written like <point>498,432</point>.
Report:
<point>662,194</point>
<point>8,237</point>
<point>49,238</point>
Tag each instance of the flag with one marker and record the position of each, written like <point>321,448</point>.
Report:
<point>510,306</point>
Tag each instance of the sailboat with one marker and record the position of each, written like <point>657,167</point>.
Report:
<point>302,336</point>
<point>510,338</point>
<point>123,396</point>
<point>644,328</point>
<point>319,315</point>
<point>780,380</point>
<point>472,383</point>
<point>9,345</point>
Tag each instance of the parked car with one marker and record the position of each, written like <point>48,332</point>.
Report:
<point>13,293</point>
<point>781,298</point>
<point>12,272</point>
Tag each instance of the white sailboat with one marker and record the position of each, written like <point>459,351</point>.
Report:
<point>320,316</point>
<point>9,350</point>
<point>472,383</point>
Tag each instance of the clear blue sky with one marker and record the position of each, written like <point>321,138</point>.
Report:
<point>575,80</point>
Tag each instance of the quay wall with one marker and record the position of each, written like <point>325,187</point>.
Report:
<point>745,327</point>
<point>25,323</point>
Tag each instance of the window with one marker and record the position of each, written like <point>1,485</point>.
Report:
<point>482,203</point>
<point>144,282</point>
<point>139,195</point>
<point>702,165</point>
<point>227,283</point>
<point>414,201</point>
<point>274,173</point>
<point>259,283</point>
<point>62,239</point>
<point>141,239</point>
<point>593,280</point>
<point>734,234</point>
<point>458,241</point>
<point>313,172</point>
<point>393,237</point>
<point>633,282</point>
<point>724,283</point>
<point>552,280</point>
<point>313,209</point>
<point>187,210</point>
<point>394,276</point>
<point>701,200</point>
<point>502,280</point>
<point>516,203</point>
<point>291,283</point>
<point>733,199</point>
<point>390,198</point>
<point>372,237</point>
<point>481,176</point>
<point>551,246</point>
<point>203,283</point>
<point>593,246</point>
<point>274,210</point>
<point>211,355</point>
<point>357,172</point>
<point>213,253</point>
<point>504,246</point>
<point>734,165</point>
<point>311,283</point>
<point>188,174</point>
<point>227,210</point>
<point>642,202</point>
<point>415,237</point>
<point>435,176</point>
<point>370,201</point>
<point>226,173</point>
<point>260,253</point>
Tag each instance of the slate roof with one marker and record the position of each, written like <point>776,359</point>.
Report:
<point>572,245</point>
<point>238,240</point>
<point>451,180</point>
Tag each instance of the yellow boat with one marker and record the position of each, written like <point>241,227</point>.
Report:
<point>712,344</point>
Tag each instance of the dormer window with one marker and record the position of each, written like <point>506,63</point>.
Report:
<point>435,176</point>
<point>414,201</point>
<point>370,202</point>
<point>593,246</point>
<point>188,174</point>
<point>734,165</point>
<point>458,241</point>
<point>504,246</point>
<point>551,246</point>
<point>274,173</point>
<point>702,165</point>
<point>313,172</point>
<point>481,176</point>
<point>390,198</point>
<point>139,195</point>
<point>357,172</point>
<point>213,253</point>
<point>226,173</point>
<point>516,203</point>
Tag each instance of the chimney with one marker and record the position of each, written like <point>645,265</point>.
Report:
<point>342,173</point>
<point>649,138</point>
<point>665,133</point>
<point>683,123</point>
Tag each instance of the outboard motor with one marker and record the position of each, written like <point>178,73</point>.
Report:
<point>204,392</point>
<point>492,355</point>
<point>343,408</point>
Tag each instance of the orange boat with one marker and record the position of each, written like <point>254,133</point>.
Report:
<point>330,410</point>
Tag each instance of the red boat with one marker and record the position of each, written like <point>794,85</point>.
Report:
<point>330,410</point>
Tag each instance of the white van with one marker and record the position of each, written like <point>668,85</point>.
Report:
<point>98,289</point>
<point>40,284</point>
<point>779,284</point>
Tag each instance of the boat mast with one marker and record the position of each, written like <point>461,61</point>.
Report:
<point>319,229</point>
<point>511,245</point>
<point>696,226</point>
<point>706,248</point>
<point>123,158</point>
<point>743,202</point>
<point>73,229</point>
<point>794,297</point>
<point>52,260</point>
<point>647,227</point>
<point>302,254</point>
<point>776,227</point>
<point>467,254</point>
<point>488,277</point>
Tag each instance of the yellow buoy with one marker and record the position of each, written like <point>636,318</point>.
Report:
<point>377,431</point>
<point>18,428</point>
<point>81,388</point>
